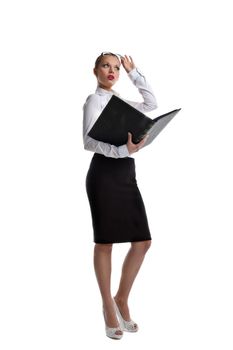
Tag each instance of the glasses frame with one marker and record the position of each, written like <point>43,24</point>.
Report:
<point>105,53</point>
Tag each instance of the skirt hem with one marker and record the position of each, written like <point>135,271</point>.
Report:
<point>126,241</point>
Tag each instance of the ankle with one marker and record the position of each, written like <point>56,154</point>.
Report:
<point>120,300</point>
<point>107,303</point>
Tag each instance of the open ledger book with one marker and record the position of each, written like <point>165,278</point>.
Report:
<point>118,118</point>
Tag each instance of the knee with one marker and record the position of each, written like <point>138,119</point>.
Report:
<point>146,245</point>
<point>141,246</point>
<point>103,248</point>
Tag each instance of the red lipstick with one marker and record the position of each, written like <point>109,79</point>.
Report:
<point>110,77</point>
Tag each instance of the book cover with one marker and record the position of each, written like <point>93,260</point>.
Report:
<point>118,118</point>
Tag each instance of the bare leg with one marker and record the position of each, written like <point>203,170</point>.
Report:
<point>102,264</point>
<point>131,266</point>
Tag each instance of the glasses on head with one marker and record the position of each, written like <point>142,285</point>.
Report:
<point>112,54</point>
<point>98,60</point>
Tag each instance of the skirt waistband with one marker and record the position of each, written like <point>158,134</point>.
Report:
<point>102,157</point>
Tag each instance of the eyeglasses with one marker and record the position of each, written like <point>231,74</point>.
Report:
<point>107,53</point>
<point>112,54</point>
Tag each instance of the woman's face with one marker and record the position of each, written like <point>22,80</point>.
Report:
<point>107,72</point>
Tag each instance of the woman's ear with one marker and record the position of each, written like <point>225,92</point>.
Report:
<point>95,71</point>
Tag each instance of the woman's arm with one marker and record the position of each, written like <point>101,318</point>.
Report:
<point>149,101</point>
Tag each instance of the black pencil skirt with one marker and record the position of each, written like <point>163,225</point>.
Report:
<point>117,208</point>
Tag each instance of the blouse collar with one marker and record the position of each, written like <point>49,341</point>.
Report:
<point>101,91</point>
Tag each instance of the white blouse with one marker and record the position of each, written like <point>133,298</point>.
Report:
<point>94,105</point>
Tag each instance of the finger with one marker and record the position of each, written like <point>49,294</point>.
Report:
<point>123,59</point>
<point>146,137</point>
<point>129,137</point>
<point>142,143</point>
<point>131,59</point>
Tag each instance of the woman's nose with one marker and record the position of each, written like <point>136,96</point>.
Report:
<point>110,69</point>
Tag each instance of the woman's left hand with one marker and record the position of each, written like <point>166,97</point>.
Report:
<point>127,63</point>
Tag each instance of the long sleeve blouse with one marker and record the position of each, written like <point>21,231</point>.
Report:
<point>96,102</point>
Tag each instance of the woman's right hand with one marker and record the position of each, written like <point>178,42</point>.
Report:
<point>135,147</point>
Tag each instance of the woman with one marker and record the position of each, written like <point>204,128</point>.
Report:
<point>118,213</point>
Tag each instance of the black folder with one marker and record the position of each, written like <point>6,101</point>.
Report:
<point>118,118</point>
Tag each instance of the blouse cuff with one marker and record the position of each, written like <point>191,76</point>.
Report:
<point>123,151</point>
<point>134,73</point>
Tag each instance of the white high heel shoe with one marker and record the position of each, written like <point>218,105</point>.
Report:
<point>112,332</point>
<point>128,326</point>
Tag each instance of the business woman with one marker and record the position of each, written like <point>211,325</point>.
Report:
<point>117,208</point>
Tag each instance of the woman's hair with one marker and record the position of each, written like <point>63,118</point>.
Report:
<point>99,58</point>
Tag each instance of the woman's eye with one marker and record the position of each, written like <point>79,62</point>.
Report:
<point>117,68</point>
<point>105,65</point>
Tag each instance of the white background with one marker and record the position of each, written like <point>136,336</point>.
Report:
<point>182,298</point>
